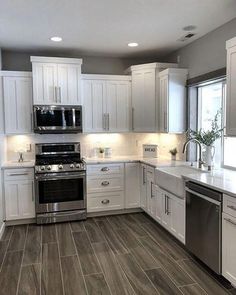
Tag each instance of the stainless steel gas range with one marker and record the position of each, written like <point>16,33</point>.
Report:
<point>60,183</point>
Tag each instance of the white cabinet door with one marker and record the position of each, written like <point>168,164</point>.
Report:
<point>163,103</point>
<point>12,204</point>
<point>26,199</point>
<point>143,187</point>
<point>68,83</point>
<point>159,199</point>
<point>132,188</point>
<point>166,210</point>
<point>94,105</point>
<point>177,225</point>
<point>118,105</point>
<point>45,83</point>
<point>231,91</point>
<point>18,104</point>
<point>228,247</point>
<point>144,100</point>
<point>150,191</point>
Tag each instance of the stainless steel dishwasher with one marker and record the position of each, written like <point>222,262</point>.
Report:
<point>203,224</point>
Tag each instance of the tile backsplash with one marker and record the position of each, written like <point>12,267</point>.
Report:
<point>121,144</point>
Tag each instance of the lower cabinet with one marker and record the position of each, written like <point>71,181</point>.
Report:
<point>105,201</point>
<point>132,187</point>
<point>143,186</point>
<point>19,194</point>
<point>228,247</point>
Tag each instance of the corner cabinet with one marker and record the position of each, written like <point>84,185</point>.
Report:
<point>231,88</point>
<point>17,93</point>
<point>106,103</point>
<point>19,193</point>
<point>132,188</point>
<point>172,101</point>
<point>56,80</point>
<point>145,87</point>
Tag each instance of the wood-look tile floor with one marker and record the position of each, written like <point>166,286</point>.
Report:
<point>115,255</point>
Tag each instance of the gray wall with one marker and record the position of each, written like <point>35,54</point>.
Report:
<point>207,53</point>
<point>20,61</point>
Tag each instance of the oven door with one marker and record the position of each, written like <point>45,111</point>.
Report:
<point>60,192</point>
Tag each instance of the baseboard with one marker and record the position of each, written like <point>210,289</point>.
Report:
<point>114,212</point>
<point>20,221</point>
<point>2,229</point>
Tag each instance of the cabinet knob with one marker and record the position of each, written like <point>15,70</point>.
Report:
<point>105,183</point>
<point>104,169</point>
<point>106,201</point>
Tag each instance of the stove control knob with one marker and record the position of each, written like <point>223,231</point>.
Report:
<point>49,167</point>
<point>42,168</point>
<point>72,166</point>
<point>60,167</point>
<point>78,165</point>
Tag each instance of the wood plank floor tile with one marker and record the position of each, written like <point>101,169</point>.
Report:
<point>115,277</point>
<point>88,260</point>
<point>137,278</point>
<point>65,240</point>
<point>3,249</point>
<point>94,232</point>
<point>116,221</point>
<point>141,218</point>
<point>51,281</point>
<point>193,290</point>
<point>10,272</point>
<point>18,237</point>
<point>202,278</point>
<point>7,233</point>
<point>162,282</point>
<point>114,241</point>
<point>132,224</point>
<point>96,284</point>
<point>49,233</point>
<point>72,276</point>
<point>32,253</point>
<point>177,274</point>
<point>166,243</point>
<point>30,280</point>
<point>77,226</point>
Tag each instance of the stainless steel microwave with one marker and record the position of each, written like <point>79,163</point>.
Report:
<point>57,119</point>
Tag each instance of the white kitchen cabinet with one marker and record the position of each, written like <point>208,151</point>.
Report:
<point>56,81</point>
<point>177,220</point>
<point>151,204</point>
<point>172,100</point>
<point>106,101</point>
<point>145,86</point>
<point>132,188</point>
<point>17,91</point>
<point>19,194</point>
<point>143,187</point>
<point>228,247</point>
<point>231,88</point>
<point>166,210</point>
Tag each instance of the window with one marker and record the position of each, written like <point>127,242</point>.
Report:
<point>211,100</point>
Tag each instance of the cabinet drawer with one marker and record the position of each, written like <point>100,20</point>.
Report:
<point>105,201</point>
<point>96,184</point>
<point>229,205</point>
<point>19,174</point>
<point>105,169</point>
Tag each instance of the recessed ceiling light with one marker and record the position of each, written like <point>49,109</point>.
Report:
<point>56,39</point>
<point>189,28</point>
<point>133,44</point>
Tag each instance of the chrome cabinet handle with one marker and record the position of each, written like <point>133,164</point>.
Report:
<point>32,192</point>
<point>230,221</point>
<point>32,122</point>
<point>132,118</point>
<point>151,190</point>
<point>144,182</point>
<point>165,121</point>
<point>104,121</point>
<point>108,121</point>
<point>167,205</point>
<point>231,207</point>
<point>105,183</point>
<point>106,201</point>
<point>104,169</point>
<point>17,174</point>
<point>59,88</point>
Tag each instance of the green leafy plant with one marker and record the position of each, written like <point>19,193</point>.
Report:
<point>173,151</point>
<point>210,136</point>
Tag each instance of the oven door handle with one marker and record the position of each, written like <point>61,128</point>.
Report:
<point>202,196</point>
<point>58,177</point>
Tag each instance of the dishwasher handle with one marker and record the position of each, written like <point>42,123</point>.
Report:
<point>205,191</point>
<point>203,197</point>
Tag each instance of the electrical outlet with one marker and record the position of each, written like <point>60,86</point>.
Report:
<point>28,147</point>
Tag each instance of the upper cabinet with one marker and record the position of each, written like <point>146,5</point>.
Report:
<point>56,81</point>
<point>106,102</point>
<point>172,100</point>
<point>145,87</point>
<point>231,88</point>
<point>17,93</point>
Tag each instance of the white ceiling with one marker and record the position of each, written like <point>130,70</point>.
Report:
<point>104,27</point>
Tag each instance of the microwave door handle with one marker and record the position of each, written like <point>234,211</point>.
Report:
<point>73,115</point>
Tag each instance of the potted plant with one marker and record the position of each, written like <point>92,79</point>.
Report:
<point>207,138</point>
<point>173,153</point>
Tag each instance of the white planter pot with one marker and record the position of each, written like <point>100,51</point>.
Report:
<point>209,155</point>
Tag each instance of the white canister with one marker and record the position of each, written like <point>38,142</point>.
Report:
<point>107,152</point>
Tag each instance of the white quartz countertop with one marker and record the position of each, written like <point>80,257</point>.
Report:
<point>16,164</point>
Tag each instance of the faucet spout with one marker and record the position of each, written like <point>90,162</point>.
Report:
<point>200,162</point>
